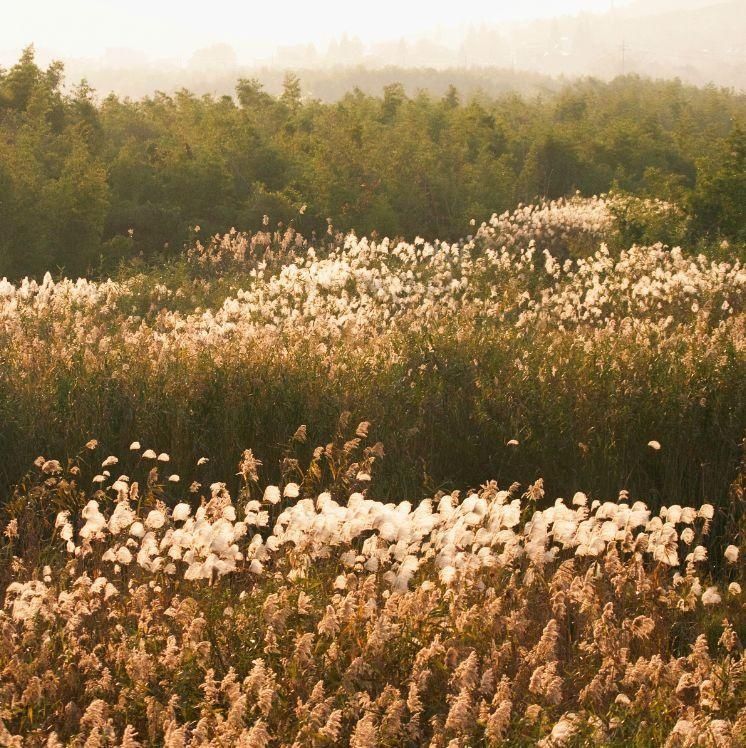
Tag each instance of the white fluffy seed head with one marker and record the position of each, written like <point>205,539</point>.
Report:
<point>292,491</point>
<point>731,554</point>
<point>711,596</point>
<point>272,494</point>
<point>155,519</point>
<point>181,512</point>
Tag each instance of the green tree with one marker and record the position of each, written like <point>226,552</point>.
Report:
<point>251,95</point>
<point>291,91</point>
<point>719,202</point>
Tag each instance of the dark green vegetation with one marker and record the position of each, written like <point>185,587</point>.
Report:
<point>77,175</point>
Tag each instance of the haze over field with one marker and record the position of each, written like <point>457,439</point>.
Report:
<point>138,48</point>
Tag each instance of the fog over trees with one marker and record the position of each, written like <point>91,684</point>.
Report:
<point>698,41</point>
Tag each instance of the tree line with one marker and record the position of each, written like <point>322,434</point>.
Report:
<point>86,183</point>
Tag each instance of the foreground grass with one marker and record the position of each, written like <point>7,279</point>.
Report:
<point>306,614</point>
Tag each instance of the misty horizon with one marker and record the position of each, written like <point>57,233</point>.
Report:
<point>699,41</point>
<point>174,32</point>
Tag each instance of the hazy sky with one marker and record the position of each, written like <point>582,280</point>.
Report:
<point>175,28</point>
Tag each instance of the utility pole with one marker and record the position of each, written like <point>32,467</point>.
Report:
<point>624,50</point>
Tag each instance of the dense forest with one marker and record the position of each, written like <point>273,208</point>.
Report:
<point>86,182</point>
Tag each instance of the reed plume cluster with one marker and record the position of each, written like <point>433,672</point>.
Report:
<point>141,611</point>
<point>540,327</point>
<point>320,590</point>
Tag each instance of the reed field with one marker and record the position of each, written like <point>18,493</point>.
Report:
<point>352,490</point>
